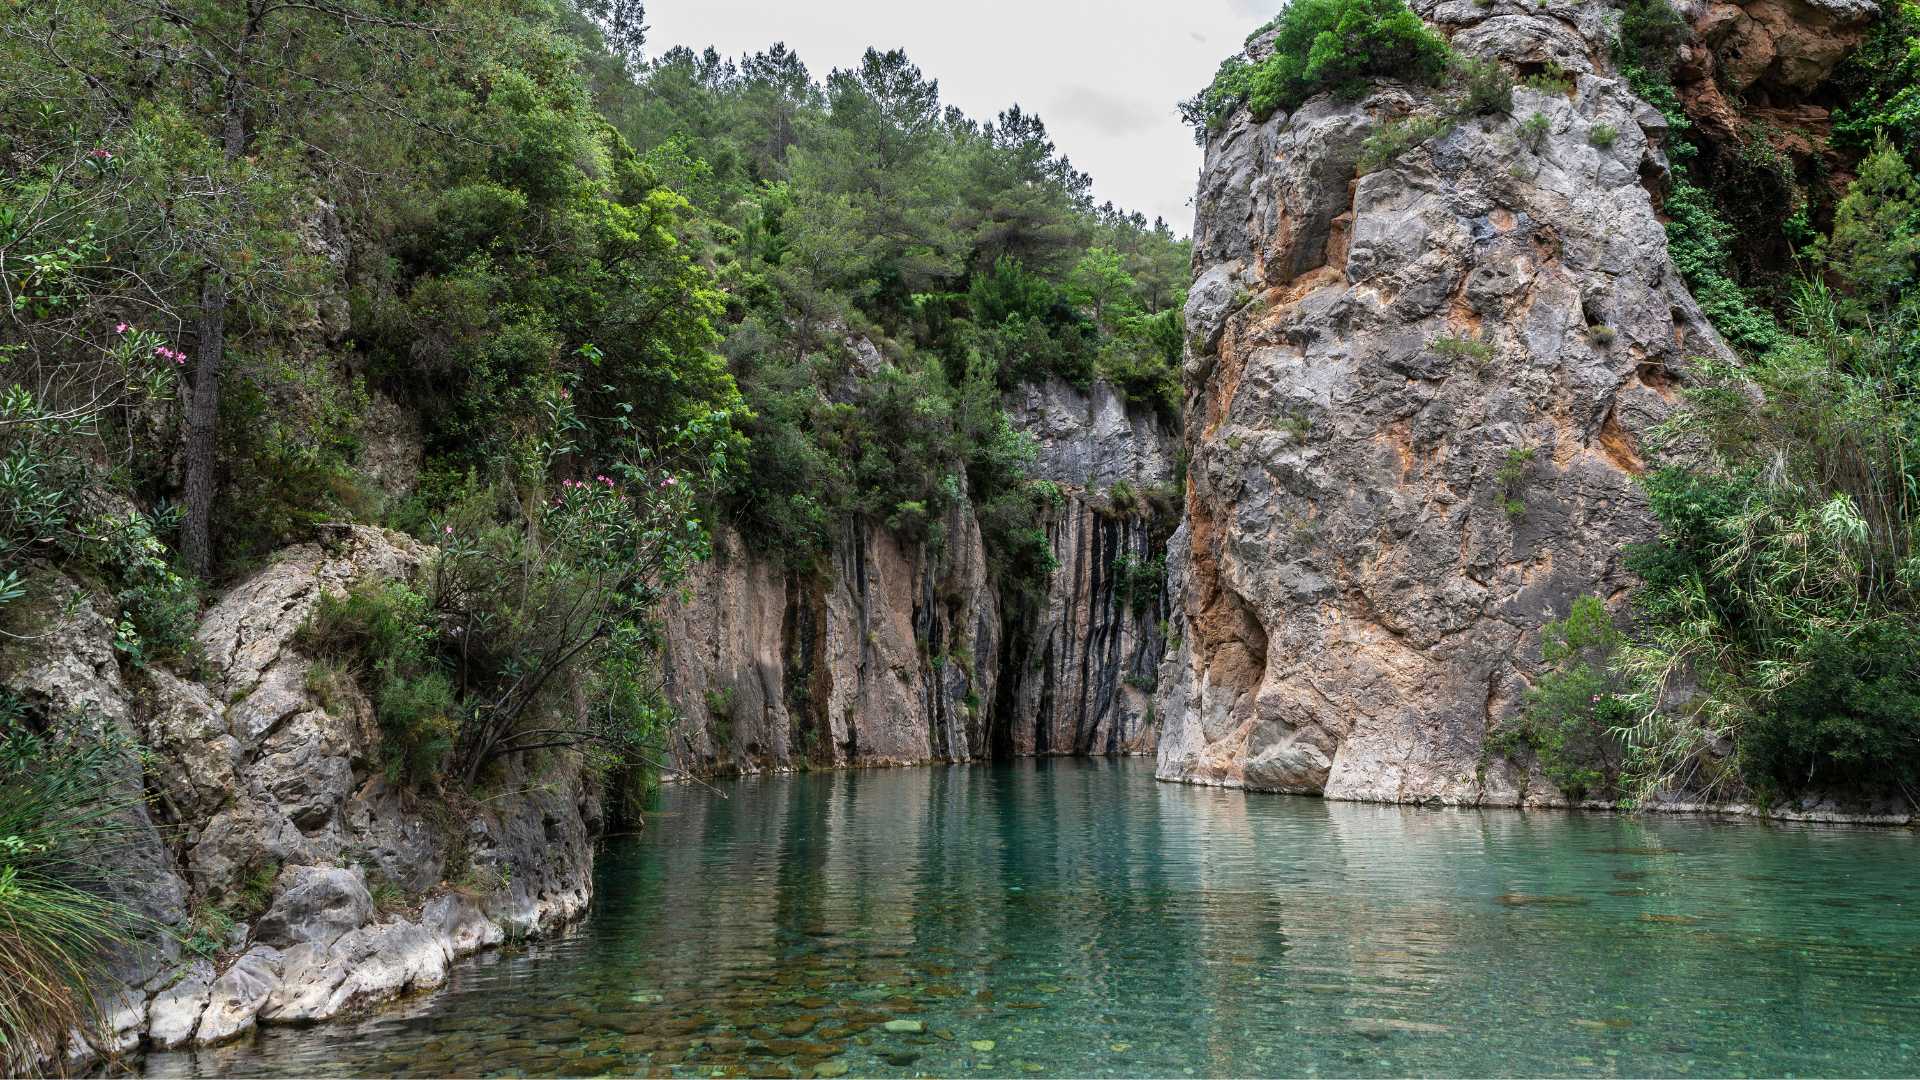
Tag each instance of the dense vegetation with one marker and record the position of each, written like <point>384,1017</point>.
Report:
<point>860,210</point>
<point>1319,46</point>
<point>246,245</point>
<point>1774,643</point>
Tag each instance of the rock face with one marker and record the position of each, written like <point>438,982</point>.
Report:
<point>896,654</point>
<point>1378,522</point>
<point>881,659</point>
<point>1768,55</point>
<point>1083,660</point>
<point>268,804</point>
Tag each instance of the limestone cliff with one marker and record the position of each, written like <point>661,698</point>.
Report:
<point>268,828</point>
<point>1376,528</point>
<point>892,653</point>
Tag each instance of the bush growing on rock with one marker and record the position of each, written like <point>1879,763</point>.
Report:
<point>1649,35</point>
<point>1877,87</point>
<point>1337,46</point>
<point>1489,88</point>
<point>1576,706</point>
<point>1533,131</point>
<point>1390,140</point>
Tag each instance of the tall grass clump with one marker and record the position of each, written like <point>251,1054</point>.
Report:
<point>59,920</point>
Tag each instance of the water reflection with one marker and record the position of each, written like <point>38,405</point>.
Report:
<point>1076,918</point>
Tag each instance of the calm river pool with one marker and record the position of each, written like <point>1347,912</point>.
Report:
<point>1077,918</point>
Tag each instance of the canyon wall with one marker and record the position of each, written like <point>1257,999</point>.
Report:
<point>891,653</point>
<point>1417,402</point>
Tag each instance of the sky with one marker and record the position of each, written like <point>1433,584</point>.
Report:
<point>1105,75</point>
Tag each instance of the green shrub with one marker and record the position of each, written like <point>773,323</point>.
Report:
<point>1697,240</point>
<point>1876,237</point>
<point>1489,88</point>
<point>161,607</point>
<point>1143,362</point>
<point>1477,352</point>
<point>1297,425</point>
<point>1877,87</point>
<point>1533,131</point>
<point>1575,705</point>
<point>1324,45</point>
<point>1602,136</point>
<point>1851,717</point>
<point>1387,142</point>
<point>1138,582</point>
<point>1551,79</point>
<point>380,632</point>
<point>419,723</point>
<point>1649,35</point>
<point>1512,476</point>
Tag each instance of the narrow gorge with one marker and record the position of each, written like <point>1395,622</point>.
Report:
<point>527,550</point>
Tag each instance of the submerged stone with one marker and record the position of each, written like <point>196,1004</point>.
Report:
<point>1527,900</point>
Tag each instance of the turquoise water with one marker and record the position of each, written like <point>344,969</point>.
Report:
<point>1091,922</point>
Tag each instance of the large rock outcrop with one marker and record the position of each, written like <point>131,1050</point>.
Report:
<point>269,827</point>
<point>1417,404</point>
<point>894,653</point>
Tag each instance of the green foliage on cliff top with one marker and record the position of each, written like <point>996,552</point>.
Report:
<point>890,268</point>
<point>500,232</point>
<point>1337,46</point>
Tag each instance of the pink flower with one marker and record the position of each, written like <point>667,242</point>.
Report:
<point>672,481</point>
<point>448,530</point>
<point>120,328</point>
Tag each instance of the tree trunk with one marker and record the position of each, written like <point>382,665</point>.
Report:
<point>203,408</point>
<point>203,415</point>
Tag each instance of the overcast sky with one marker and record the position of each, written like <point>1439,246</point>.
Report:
<point>1104,74</point>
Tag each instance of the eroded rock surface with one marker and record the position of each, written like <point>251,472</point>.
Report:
<point>1378,527</point>
<point>266,790</point>
<point>893,653</point>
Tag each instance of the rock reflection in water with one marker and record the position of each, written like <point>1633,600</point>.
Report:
<point>1076,918</point>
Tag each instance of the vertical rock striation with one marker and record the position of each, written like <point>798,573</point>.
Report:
<point>1417,403</point>
<point>1083,658</point>
<point>883,657</point>
<point>893,653</point>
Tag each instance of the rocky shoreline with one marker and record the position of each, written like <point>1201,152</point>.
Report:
<point>284,879</point>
